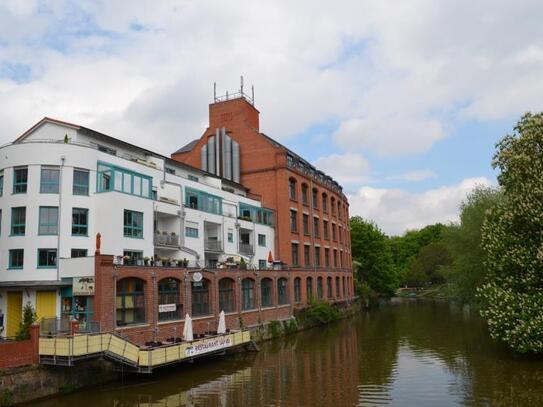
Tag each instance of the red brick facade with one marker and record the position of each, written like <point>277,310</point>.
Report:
<point>20,353</point>
<point>107,275</point>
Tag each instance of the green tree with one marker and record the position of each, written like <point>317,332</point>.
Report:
<point>427,266</point>
<point>29,317</point>
<point>512,238</point>
<point>371,249</point>
<point>463,241</point>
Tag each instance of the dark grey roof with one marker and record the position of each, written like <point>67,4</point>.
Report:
<point>187,147</point>
<point>22,284</point>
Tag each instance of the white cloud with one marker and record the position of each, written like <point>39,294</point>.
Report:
<point>396,210</point>
<point>414,176</point>
<point>345,168</point>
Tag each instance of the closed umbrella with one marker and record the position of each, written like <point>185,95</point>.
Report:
<point>187,329</point>
<point>222,324</point>
<point>270,257</point>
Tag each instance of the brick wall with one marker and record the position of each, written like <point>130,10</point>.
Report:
<point>20,353</point>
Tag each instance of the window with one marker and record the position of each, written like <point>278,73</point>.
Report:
<point>339,209</point>
<point>49,180</point>
<point>317,256</point>
<point>191,232</point>
<point>130,301</point>
<point>329,287</point>
<point>133,224</point>
<point>20,180</point>
<point>315,198</point>
<point>48,221</point>
<point>337,287</point>
<point>107,150</point>
<point>292,189</point>
<point>169,300</point>
<point>309,288</point>
<point>319,288</point>
<point>335,258</point>
<point>293,221</point>
<point>324,203</point>
<point>230,237</point>
<point>1,182</point>
<point>18,221</point>
<point>47,258</point>
<point>294,254</point>
<point>78,253</point>
<point>192,178</point>
<point>344,286</point>
<point>316,232</point>
<point>256,214</point>
<point>327,257</point>
<point>261,240</point>
<point>226,295</point>
<point>247,294</point>
<point>81,182</point>
<point>305,199</point>
<point>325,230</point>
<point>262,264</point>
<point>333,205</point>
<point>340,234</point>
<point>334,234</point>
<point>203,201</point>
<point>16,259</point>
<point>305,223</point>
<point>200,298</point>
<point>307,260</point>
<point>132,257</point>
<point>297,290</point>
<point>112,178</point>
<point>266,292</point>
<point>80,222</point>
<point>282,295</point>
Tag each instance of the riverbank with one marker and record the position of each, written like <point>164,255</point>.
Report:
<point>30,383</point>
<point>434,292</point>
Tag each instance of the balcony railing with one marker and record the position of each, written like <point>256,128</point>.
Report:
<point>246,248</point>
<point>214,245</point>
<point>167,239</point>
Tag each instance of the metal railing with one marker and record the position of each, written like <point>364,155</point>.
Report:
<point>167,239</point>
<point>246,248</point>
<point>215,245</point>
<point>54,326</point>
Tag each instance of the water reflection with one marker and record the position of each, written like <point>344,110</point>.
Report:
<point>408,353</point>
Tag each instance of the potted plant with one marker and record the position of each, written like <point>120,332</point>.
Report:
<point>185,263</point>
<point>242,264</point>
<point>165,262</point>
<point>146,260</point>
<point>126,260</point>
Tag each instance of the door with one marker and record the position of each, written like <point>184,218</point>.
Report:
<point>46,304</point>
<point>15,313</point>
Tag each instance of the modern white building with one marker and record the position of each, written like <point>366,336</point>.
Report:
<point>61,184</point>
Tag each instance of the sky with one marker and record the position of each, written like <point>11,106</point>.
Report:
<point>401,101</point>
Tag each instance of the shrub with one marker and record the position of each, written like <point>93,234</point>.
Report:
<point>29,317</point>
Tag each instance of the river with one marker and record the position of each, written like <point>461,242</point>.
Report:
<point>406,353</point>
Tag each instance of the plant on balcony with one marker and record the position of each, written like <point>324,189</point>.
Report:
<point>166,262</point>
<point>146,260</point>
<point>242,264</point>
<point>126,260</point>
<point>247,218</point>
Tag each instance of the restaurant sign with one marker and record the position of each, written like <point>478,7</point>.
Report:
<point>167,308</point>
<point>209,345</point>
<point>83,286</point>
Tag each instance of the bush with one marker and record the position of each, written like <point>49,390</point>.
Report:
<point>29,317</point>
<point>274,329</point>
<point>320,313</point>
<point>290,326</point>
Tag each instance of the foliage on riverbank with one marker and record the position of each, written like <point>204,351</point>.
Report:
<point>318,313</point>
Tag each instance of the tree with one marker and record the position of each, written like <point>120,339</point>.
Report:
<point>371,249</point>
<point>426,267</point>
<point>463,241</point>
<point>29,317</point>
<point>512,238</point>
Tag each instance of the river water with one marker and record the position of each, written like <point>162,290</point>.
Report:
<point>406,353</point>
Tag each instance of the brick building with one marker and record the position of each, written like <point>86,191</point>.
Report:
<point>312,213</point>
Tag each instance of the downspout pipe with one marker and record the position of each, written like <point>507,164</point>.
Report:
<point>59,217</point>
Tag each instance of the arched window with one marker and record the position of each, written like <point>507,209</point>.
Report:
<point>130,301</point>
<point>333,205</point>
<point>319,288</point>
<point>247,294</point>
<point>344,287</point>
<point>226,295</point>
<point>282,295</point>
<point>292,188</point>
<point>324,202</point>
<point>200,298</point>
<point>309,288</point>
<point>329,287</point>
<point>266,292</point>
<point>337,287</point>
<point>305,198</point>
<point>169,299</point>
<point>297,289</point>
<point>315,198</point>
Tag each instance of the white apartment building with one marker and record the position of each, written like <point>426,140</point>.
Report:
<point>61,184</point>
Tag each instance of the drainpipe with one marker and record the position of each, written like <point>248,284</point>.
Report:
<point>59,217</point>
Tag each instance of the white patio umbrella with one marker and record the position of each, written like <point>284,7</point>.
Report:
<point>187,329</point>
<point>222,324</point>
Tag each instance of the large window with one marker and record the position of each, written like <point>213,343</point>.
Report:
<point>261,240</point>
<point>293,221</point>
<point>292,189</point>
<point>50,177</point>
<point>112,178</point>
<point>130,301</point>
<point>337,287</point>
<point>297,290</point>
<point>307,255</point>
<point>200,298</point>
<point>47,258</point>
<point>169,300</point>
<point>78,253</point>
<point>256,214</point>
<point>305,198</point>
<point>203,201</point>
<point>191,232</point>
<point>80,222</point>
<point>325,230</point>
<point>282,294</point>
<point>48,222</point>
<point>81,182</point>
<point>305,223</point>
<point>315,198</point>
<point>20,180</point>
<point>329,287</point>
<point>317,256</point>
<point>133,224</point>
<point>16,259</point>
<point>226,295</point>
<point>309,288</point>
<point>319,288</point>
<point>18,221</point>
<point>247,294</point>
<point>327,257</point>
<point>324,202</point>
<point>294,254</point>
<point>316,227</point>
<point>266,292</point>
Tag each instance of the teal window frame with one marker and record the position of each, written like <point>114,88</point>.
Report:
<point>257,214</point>
<point>191,232</point>
<point>110,178</point>
<point>11,254</point>
<point>49,185</point>
<point>192,178</point>
<point>262,264</point>
<point>20,186</point>
<point>203,201</point>
<point>79,228</point>
<point>48,252</point>
<point>133,227</point>
<point>230,237</point>
<point>84,253</point>
<point>50,227</point>
<point>261,240</point>
<point>19,224</point>
<point>79,187</point>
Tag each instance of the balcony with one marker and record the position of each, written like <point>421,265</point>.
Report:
<point>165,239</point>
<point>246,248</point>
<point>213,245</point>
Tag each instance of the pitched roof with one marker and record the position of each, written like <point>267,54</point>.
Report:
<point>187,147</point>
